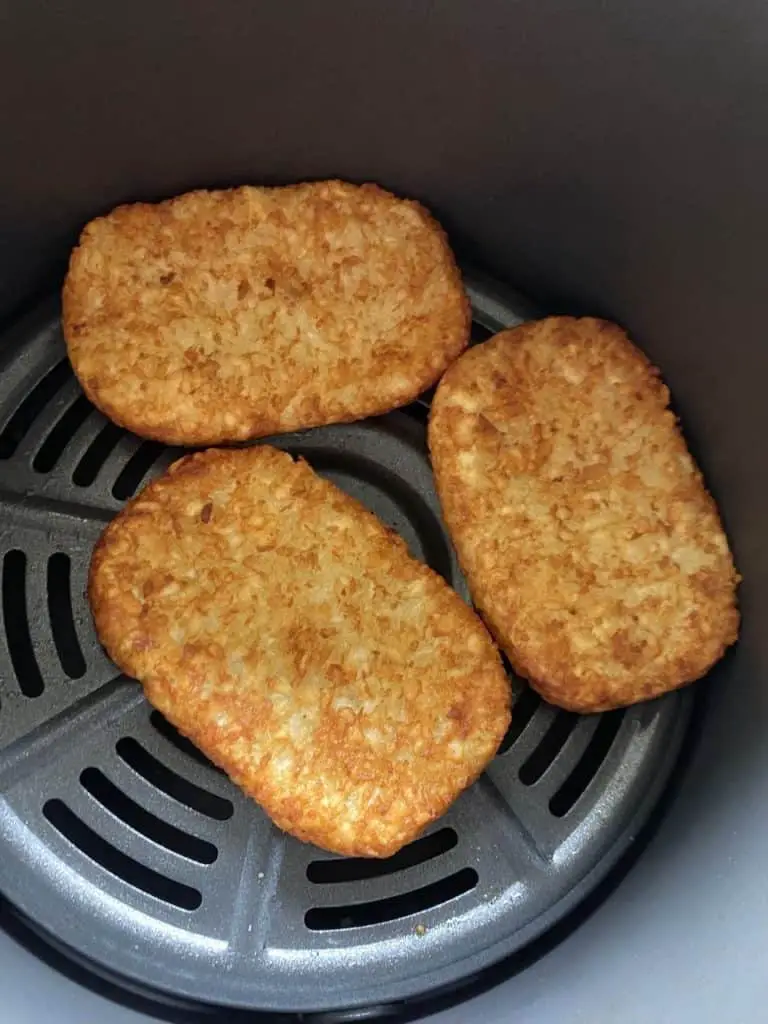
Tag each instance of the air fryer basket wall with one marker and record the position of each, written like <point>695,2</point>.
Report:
<point>604,157</point>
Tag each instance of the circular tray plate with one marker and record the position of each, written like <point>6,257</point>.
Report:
<point>123,842</point>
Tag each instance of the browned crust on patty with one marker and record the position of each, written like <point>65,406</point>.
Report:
<point>590,543</point>
<point>290,635</point>
<point>222,316</point>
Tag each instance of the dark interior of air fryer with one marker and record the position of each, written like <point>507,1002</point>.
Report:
<point>121,841</point>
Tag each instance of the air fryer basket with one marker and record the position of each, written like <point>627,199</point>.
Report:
<point>606,158</point>
<point>120,839</point>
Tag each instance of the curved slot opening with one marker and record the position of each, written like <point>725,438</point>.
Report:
<point>14,587</point>
<point>419,410</point>
<point>97,454</point>
<point>479,333</point>
<point>551,744</point>
<point>27,412</point>
<point>136,468</point>
<point>173,785</point>
<point>523,711</point>
<point>171,733</point>
<point>116,862</point>
<point>53,446</point>
<point>357,915</point>
<point>588,764</point>
<point>136,817</point>
<point>59,593</point>
<point>359,869</point>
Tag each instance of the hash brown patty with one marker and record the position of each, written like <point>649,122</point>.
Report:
<point>283,629</point>
<point>591,546</point>
<point>227,315</point>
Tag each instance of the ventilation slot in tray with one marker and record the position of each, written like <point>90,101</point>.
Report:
<point>98,452</point>
<point>358,869</point>
<point>479,333</point>
<point>550,746</point>
<point>23,660</point>
<point>171,733</point>
<point>136,468</point>
<point>55,444</point>
<point>522,712</point>
<point>136,817</point>
<point>173,785</point>
<point>357,915</point>
<point>116,862</point>
<point>588,764</point>
<point>61,617</point>
<point>25,415</point>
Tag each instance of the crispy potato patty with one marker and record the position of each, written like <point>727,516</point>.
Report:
<point>283,629</point>
<point>591,545</point>
<point>221,316</point>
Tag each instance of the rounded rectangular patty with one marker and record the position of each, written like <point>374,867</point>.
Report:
<point>222,316</point>
<point>283,629</point>
<point>590,544</point>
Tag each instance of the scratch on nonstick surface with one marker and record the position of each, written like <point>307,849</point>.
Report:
<point>256,890</point>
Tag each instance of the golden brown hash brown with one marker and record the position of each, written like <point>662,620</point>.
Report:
<point>221,316</point>
<point>590,543</point>
<point>290,635</point>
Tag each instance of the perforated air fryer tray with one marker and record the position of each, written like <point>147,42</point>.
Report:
<point>118,838</point>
